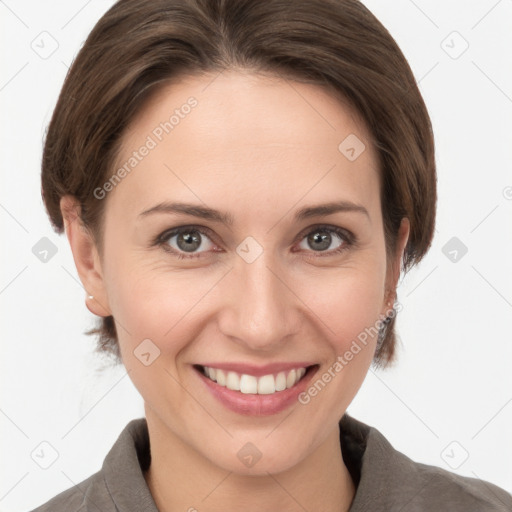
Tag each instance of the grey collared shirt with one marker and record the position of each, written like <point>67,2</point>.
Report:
<point>386,479</point>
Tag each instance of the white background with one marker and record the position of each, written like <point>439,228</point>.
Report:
<point>450,396</point>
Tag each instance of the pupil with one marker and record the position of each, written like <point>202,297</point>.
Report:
<point>190,242</point>
<point>323,239</point>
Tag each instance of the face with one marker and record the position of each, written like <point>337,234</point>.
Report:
<point>251,278</point>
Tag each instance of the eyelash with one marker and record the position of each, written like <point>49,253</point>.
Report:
<point>346,236</point>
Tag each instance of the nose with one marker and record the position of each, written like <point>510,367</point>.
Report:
<point>259,308</point>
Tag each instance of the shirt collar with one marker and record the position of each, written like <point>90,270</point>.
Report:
<point>367,454</point>
<point>123,469</point>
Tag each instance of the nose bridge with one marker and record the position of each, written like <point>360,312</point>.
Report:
<point>262,307</point>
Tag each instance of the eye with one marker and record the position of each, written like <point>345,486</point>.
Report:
<point>189,241</point>
<point>321,238</point>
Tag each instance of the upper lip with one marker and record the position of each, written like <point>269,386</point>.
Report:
<point>258,371</point>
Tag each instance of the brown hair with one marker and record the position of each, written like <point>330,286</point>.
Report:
<point>137,46</point>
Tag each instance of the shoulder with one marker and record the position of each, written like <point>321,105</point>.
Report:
<point>389,480</point>
<point>432,486</point>
<point>90,494</point>
<point>118,485</point>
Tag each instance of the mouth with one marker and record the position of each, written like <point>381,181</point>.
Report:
<point>250,384</point>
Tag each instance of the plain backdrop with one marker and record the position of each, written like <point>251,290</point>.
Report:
<point>448,401</point>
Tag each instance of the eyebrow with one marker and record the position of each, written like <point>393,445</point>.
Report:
<point>227,219</point>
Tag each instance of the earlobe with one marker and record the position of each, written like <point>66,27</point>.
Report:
<point>95,307</point>
<point>85,255</point>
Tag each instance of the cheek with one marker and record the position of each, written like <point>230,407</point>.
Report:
<point>154,317</point>
<point>357,311</point>
<point>349,316</point>
<point>346,302</point>
<point>152,302</point>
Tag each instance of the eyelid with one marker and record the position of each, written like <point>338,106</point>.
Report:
<point>191,227</point>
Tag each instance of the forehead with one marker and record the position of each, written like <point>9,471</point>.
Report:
<point>252,135</point>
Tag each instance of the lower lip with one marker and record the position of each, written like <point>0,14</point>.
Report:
<point>257,405</point>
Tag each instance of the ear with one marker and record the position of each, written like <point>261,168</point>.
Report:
<point>86,256</point>
<point>393,271</point>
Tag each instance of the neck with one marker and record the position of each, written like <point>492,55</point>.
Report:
<point>180,478</point>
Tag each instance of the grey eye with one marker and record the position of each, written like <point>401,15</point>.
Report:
<point>320,240</point>
<point>189,240</point>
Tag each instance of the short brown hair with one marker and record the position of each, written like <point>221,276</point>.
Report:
<point>137,47</point>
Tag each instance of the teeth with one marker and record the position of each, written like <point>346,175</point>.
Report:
<point>220,377</point>
<point>281,381</point>
<point>266,385</point>
<point>291,379</point>
<point>233,381</point>
<point>249,384</point>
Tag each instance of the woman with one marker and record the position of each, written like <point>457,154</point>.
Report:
<point>198,153</point>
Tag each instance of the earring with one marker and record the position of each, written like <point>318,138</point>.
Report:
<point>89,304</point>
<point>389,304</point>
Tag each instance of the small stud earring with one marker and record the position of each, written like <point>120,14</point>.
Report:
<point>90,297</point>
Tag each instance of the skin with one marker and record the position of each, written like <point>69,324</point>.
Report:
<point>260,148</point>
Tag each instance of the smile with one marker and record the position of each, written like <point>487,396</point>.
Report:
<point>256,390</point>
<point>250,384</point>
